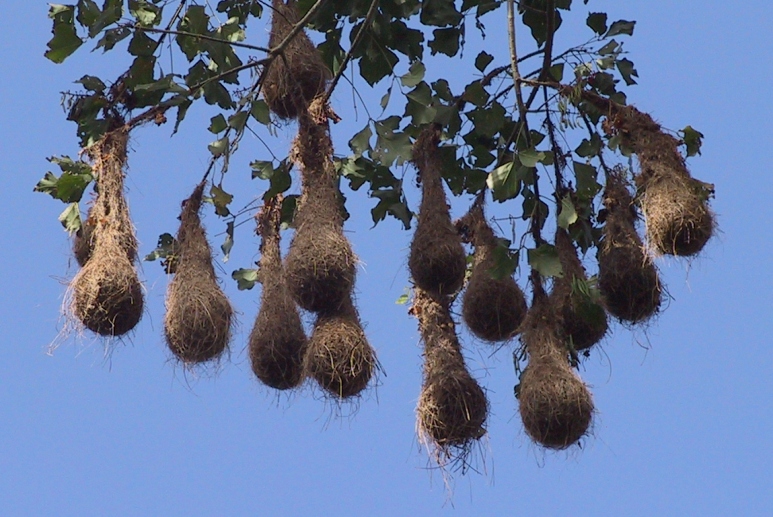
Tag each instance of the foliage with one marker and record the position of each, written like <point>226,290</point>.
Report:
<point>512,133</point>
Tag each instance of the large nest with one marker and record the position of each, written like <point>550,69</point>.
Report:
<point>675,206</point>
<point>277,342</point>
<point>555,404</point>
<point>452,407</point>
<point>584,321</point>
<point>106,293</point>
<point>628,280</point>
<point>493,308</point>
<point>320,265</point>
<point>298,74</point>
<point>197,325</point>
<point>339,356</point>
<point>437,260</point>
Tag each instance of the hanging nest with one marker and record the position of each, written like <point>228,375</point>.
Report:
<point>675,206</point>
<point>298,74</point>
<point>106,293</point>
<point>493,308</point>
<point>197,325</point>
<point>320,264</point>
<point>583,320</point>
<point>452,407</point>
<point>437,260</point>
<point>339,356</point>
<point>555,404</point>
<point>277,342</point>
<point>83,241</point>
<point>628,280</point>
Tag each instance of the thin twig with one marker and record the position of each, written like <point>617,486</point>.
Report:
<point>198,36</point>
<point>357,39</point>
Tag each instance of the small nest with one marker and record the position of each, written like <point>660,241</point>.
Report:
<point>452,408</point>
<point>106,293</point>
<point>678,221</point>
<point>555,404</point>
<point>296,76</point>
<point>437,260</point>
<point>584,321</point>
<point>492,308</point>
<point>339,356</point>
<point>277,343</point>
<point>197,325</point>
<point>675,206</point>
<point>628,280</point>
<point>320,265</point>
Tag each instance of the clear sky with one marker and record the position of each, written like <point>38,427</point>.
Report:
<point>684,421</point>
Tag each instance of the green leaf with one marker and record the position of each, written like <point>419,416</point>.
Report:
<point>568,214</point>
<point>626,69</point>
<point>414,76</point>
<point>71,218</point>
<point>65,40</point>
<point>165,249</point>
<point>597,22</point>
<point>279,176</point>
<point>419,106</point>
<point>112,11</point>
<point>69,187</point>
<point>146,14</point>
<point>620,27</point>
<point>439,13</point>
<point>228,243</point>
<point>385,99</point>
<point>590,147</point>
<point>530,157</point>
<point>505,260</point>
<point>488,121</point>
<point>505,181</point>
<point>142,45</point>
<point>483,60</point>
<point>476,94</point>
<point>587,186</point>
<point>217,124</point>
<point>289,204</point>
<point>693,139</point>
<point>245,278</point>
<point>112,37</point>
<point>557,72</point>
<point>403,298</point>
<point>238,120</point>
<point>544,260</point>
<point>182,110</point>
<point>445,41</point>
<point>218,147</point>
<point>260,112</point>
<point>361,141</point>
<point>88,12</point>
<point>221,199</point>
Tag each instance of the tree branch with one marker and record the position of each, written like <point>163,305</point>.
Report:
<point>357,39</point>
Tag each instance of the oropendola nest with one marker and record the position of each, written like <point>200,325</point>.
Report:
<point>437,260</point>
<point>296,75</point>
<point>555,404</point>
<point>675,206</point>
<point>106,293</point>
<point>493,308</point>
<point>339,356</point>
<point>628,280</point>
<point>277,342</point>
<point>320,264</point>
<point>452,408</point>
<point>198,320</point>
<point>583,320</point>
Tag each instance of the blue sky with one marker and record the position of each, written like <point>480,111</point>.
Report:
<point>684,419</point>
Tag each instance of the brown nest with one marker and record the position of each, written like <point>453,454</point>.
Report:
<point>320,264</point>
<point>583,320</point>
<point>437,260</point>
<point>298,74</point>
<point>277,342</point>
<point>675,206</point>
<point>339,356</point>
<point>555,404</point>
<point>106,293</point>
<point>493,308</point>
<point>83,241</point>
<point>628,280</point>
<point>452,407</point>
<point>197,325</point>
